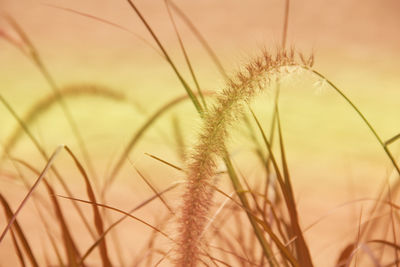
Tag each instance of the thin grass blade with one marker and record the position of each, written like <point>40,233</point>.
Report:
<point>17,248</point>
<point>188,63</point>
<point>139,133</point>
<point>302,249</point>
<point>110,23</point>
<point>200,37</point>
<point>168,58</point>
<point>113,225</point>
<point>20,233</point>
<point>257,231</point>
<point>155,191</point>
<point>34,186</point>
<point>46,158</point>
<point>98,221</point>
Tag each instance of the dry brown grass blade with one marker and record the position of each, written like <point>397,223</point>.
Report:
<point>56,250</point>
<point>39,210</point>
<point>261,212</point>
<point>164,256</point>
<point>345,255</point>
<point>241,259</point>
<point>282,247</point>
<point>119,211</point>
<point>70,247</point>
<point>98,221</point>
<point>215,261</point>
<point>110,23</point>
<point>46,158</point>
<point>252,239</point>
<point>164,161</point>
<point>113,225</point>
<point>385,242</point>
<point>265,225</point>
<point>20,233</point>
<point>393,223</point>
<point>155,191</point>
<point>68,241</point>
<point>275,218</point>
<point>32,189</point>
<point>253,221</point>
<point>17,248</point>
<point>302,249</point>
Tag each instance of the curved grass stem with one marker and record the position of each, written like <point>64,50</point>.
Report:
<point>357,110</point>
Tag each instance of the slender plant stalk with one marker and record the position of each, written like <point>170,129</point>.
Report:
<point>189,91</point>
<point>369,125</point>
<point>188,63</point>
<point>201,39</point>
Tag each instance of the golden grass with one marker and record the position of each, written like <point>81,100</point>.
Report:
<point>251,225</point>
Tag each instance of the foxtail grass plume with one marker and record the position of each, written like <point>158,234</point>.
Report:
<point>229,106</point>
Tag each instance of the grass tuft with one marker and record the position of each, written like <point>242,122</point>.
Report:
<point>248,224</point>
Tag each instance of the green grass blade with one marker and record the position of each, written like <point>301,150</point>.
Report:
<point>168,58</point>
<point>392,140</point>
<point>188,63</point>
<point>201,38</point>
<point>357,110</point>
<point>139,133</point>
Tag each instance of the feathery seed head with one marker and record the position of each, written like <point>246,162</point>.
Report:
<point>229,106</point>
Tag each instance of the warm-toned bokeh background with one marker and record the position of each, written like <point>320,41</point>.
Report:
<point>332,155</point>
